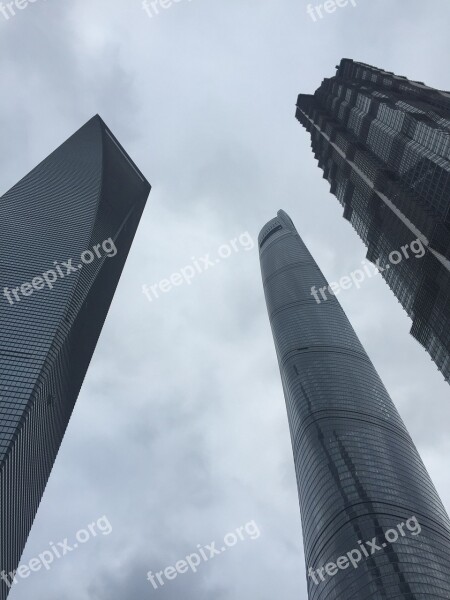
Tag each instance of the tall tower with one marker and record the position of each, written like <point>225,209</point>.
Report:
<point>65,233</point>
<point>383,143</point>
<point>360,478</point>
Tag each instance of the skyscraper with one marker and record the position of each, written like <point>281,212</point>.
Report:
<point>65,232</point>
<point>373,524</point>
<point>383,143</point>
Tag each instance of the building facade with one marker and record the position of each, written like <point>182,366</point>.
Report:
<point>383,143</point>
<point>373,524</point>
<point>65,232</point>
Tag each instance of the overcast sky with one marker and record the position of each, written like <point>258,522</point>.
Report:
<point>180,434</point>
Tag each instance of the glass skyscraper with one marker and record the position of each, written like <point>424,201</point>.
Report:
<point>373,524</point>
<point>65,232</point>
<point>383,143</point>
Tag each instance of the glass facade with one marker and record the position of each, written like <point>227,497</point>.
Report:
<point>358,472</point>
<point>66,216</point>
<point>383,143</point>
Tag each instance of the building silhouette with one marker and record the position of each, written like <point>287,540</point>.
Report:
<point>66,230</point>
<point>359,474</point>
<point>383,143</point>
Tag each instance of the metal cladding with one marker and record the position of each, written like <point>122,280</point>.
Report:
<point>383,143</point>
<point>358,472</point>
<point>57,218</point>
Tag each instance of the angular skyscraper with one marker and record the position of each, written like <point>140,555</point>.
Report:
<point>383,143</point>
<point>66,230</point>
<point>373,524</point>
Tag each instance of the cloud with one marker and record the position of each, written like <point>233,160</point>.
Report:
<point>180,432</point>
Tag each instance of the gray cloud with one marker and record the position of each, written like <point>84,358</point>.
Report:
<point>180,433</point>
